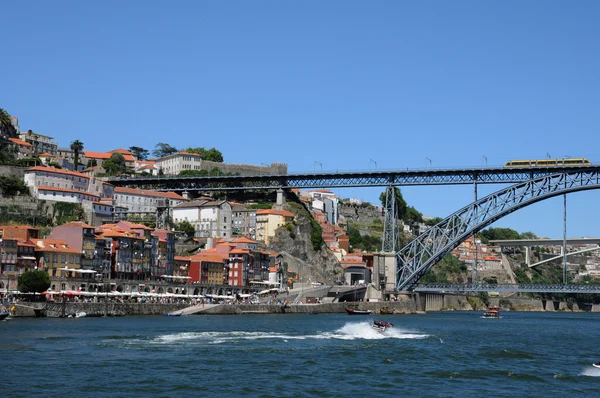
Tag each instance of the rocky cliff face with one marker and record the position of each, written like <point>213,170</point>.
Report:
<point>299,254</point>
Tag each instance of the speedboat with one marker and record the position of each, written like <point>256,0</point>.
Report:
<point>381,326</point>
<point>4,315</point>
<point>596,365</point>
<point>492,312</point>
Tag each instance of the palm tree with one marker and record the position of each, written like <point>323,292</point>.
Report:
<point>76,147</point>
<point>7,129</point>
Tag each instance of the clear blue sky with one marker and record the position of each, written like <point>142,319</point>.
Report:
<point>337,82</point>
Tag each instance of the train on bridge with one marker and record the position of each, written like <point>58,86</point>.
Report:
<point>566,162</point>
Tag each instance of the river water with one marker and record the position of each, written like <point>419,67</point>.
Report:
<point>438,354</point>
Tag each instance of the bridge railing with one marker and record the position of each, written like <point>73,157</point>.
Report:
<point>508,288</point>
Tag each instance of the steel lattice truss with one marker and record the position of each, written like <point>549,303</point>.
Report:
<point>427,249</point>
<point>389,226</point>
<point>519,288</point>
<point>345,179</point>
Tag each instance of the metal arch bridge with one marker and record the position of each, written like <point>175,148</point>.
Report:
<point>506,288</point>
<point>491,175</point>
<point>422,253</point>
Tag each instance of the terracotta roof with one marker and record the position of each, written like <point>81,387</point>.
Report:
<point>57,171</point>
<point>77,224</point>
<point>19,141</point>
<point>44,188</point>
<point>243,240</point>
<point>239,251</point>
<point>181,258</point>
<point>209,258</point>
<point>135,226</point>
<point>46,155</point>
<point>283,213</point>
<point>54,245</point>
<point>135,191</point>
<point>90,168</point>
<point>122,151</point>
<point>105,155</point>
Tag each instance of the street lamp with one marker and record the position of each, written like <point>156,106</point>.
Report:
<point>315,165</point>
<point>372,161</point>
<point>484,157</point>
<point>429,161</point>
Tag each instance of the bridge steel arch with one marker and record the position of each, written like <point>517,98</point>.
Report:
<point>423,252</point>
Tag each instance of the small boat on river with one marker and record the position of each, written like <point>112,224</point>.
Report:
<point>381,326</point>
<point>596,365</point>
<point>356,311</point>
<point>492,312</point>
<point>4,315</point>
<point>174,313</point>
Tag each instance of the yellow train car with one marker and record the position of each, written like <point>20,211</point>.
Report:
<point>568,162</point>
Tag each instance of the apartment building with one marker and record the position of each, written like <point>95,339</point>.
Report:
<point>39,143</point>
<point>178,162</point>
<point>210,219</point>
<point>267,222</point>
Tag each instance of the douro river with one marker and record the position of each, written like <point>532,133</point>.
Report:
<point>454,354</point>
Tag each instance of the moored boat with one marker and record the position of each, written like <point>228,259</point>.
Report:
<point>174,313</point>
<point>4,315</point>
<point>492,312</point>
<point>356,311</point>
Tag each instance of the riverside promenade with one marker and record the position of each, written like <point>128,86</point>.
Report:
<point>25,309</point>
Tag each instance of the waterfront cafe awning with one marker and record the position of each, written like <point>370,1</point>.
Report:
<point>175,277</point>
<point>80,271</point>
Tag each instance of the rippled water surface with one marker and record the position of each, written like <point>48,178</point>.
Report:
<point>439,354</point>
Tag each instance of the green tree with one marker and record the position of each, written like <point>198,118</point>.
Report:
<point>140,153</point>
<point>12,185</point>
<point>186,228</point>
<point>76,147</point>
<point>401,207</point>
<point>432,221</point>
<point>115,165</point>
<point>528,235</point>
<point>212,154</point>
<point>193,173</point>
<point>161,149</point>
<point>499,234</point>
<point>92,163</point>
<point>7,129</point>
<point>35,281</point>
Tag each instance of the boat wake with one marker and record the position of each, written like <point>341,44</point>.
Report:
<point>350,331</point>
<point>364,330</point>
<point>590,371</point>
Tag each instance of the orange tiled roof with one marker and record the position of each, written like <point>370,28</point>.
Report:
<point>239,251</point>
<point>122,151</point>
<point>77,224</point>
<point>181,258</point>
<point>243,240</point>
<point>44,188</point>
<point>57,171</point>
<point>19,141</point>
<point>283,213</point>
<point>105,155</point>
<point>135,191</point>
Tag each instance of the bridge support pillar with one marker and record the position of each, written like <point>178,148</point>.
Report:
<point>281,198</point>
<point>527,255</point>
<point>384,270</point>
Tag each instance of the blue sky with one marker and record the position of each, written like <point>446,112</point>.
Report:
<point>335,82</point>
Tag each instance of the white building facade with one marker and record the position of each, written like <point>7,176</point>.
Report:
<point>178,162</point>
